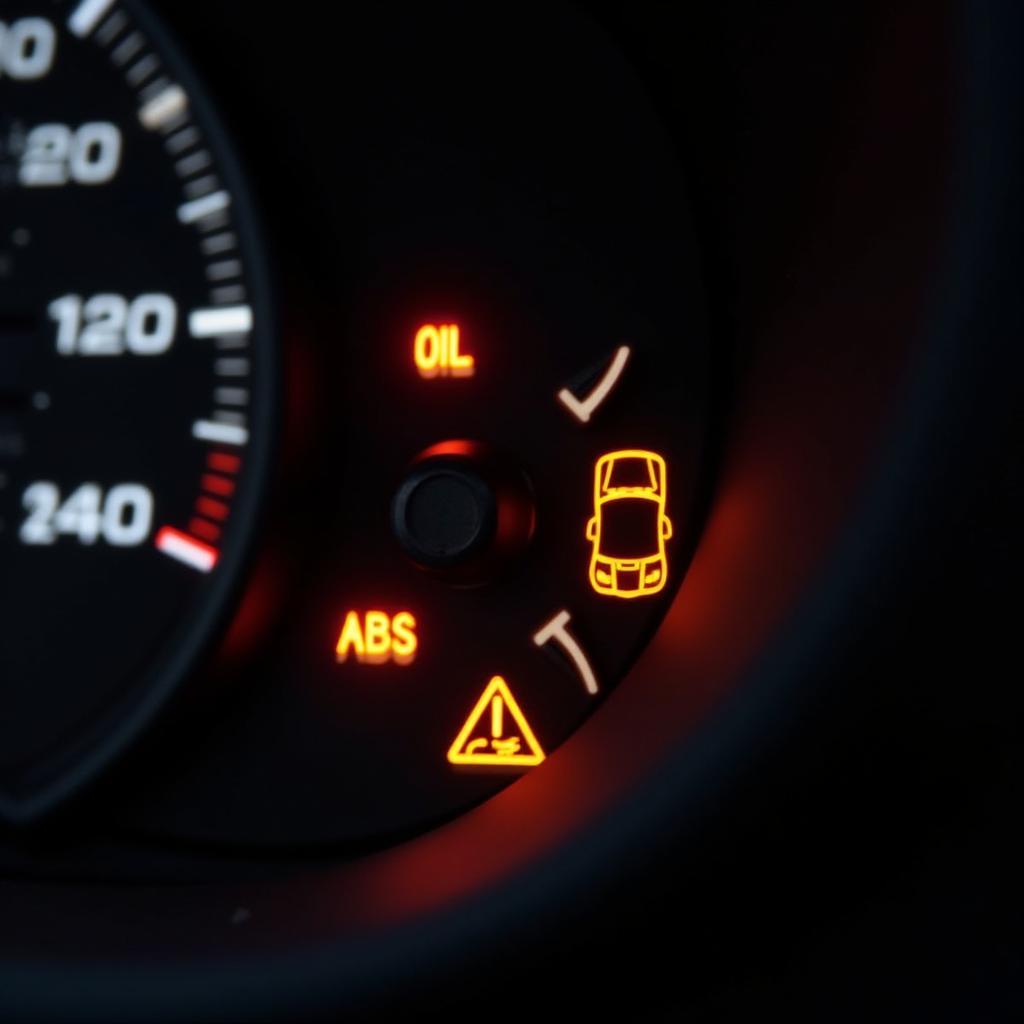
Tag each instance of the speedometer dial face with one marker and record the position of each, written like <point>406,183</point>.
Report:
<point>498,401</point>
<point>135,346</point>
<point>497,394</point>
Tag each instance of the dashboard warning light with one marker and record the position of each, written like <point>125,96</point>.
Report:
<point>436,352</point>
<point>496,733</point>
<point>373,638</point>
<point>629,527</point>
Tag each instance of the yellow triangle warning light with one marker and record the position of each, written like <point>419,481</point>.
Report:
<point>496,732</point>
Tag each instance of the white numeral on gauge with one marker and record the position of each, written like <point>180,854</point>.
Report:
<point>27,48</point>
<point>113,325</point>
<point>122,518</point>
<point>57,154</point>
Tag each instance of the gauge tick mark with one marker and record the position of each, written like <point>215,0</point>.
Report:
<point>187,550</point>
<point>164,108</point>
<point>212,323</point>
<point>557,630</point>
<point>87,15</point>
<point>198,209</point>
<point>219,433</point>
<point>584,409</point>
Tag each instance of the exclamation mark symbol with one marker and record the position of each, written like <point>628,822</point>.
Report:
<point>497,717</point>
<point>516,748</point>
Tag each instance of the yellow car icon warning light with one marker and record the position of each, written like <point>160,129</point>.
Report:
<point>630,526</point>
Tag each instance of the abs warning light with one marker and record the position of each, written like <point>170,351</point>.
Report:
<point>373,638</point>
<point>496,733</point>
<point>436,352</point>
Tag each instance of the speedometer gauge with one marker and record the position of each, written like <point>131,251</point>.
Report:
<point>135,384</point>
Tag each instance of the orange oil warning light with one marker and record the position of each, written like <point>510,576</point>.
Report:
<point>436,352</point>
<point>373,638</point>
<point>496,732</point>
<point>630,525</point>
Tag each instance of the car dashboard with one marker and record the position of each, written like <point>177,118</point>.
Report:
<point>508,510</point>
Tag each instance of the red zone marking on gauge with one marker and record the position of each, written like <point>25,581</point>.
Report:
<point>197,547</point>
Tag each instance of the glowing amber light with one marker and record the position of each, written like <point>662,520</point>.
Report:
<point>373,638</point>
<point>629,527</point>
<point>436,352</point>
<point>496,732</point>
